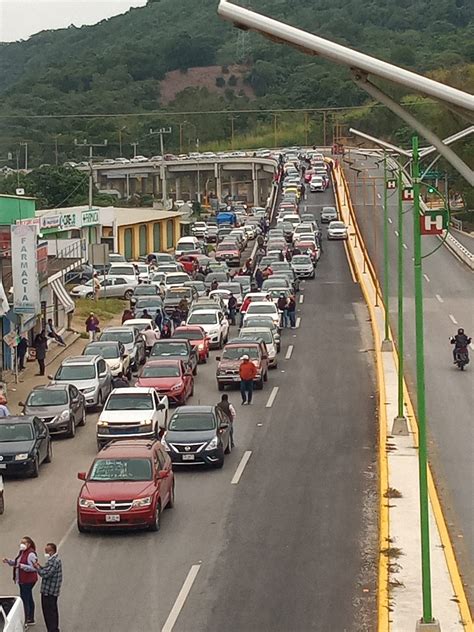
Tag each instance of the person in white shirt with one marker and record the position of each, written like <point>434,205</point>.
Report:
<point>151,336</point>
<point>229,411</point>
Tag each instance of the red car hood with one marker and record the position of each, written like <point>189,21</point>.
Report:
<point>160,383</point>
<point>118,490</point>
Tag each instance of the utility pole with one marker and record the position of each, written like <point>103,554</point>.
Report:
<point>91,177</point>
<point>135,145</point>
<point>275,116</point>
<point>386,342</point>
<point>25,145</point>
<point>120,138</point>
<point>161,132</point>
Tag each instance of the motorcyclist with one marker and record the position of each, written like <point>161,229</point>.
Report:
<point>460,342</point>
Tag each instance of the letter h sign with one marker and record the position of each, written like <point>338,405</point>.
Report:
<point>433,222</point>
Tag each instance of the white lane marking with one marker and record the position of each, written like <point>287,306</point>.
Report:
<point>472,346</point>
<point>181,598</point>
<point>427,278</point>
<point>67,534</point>
<point>396,233</point>
<point>271,399</point>
<point>439,298</point>
<point>241,467</point>
<point>379,196</point>
<point>301,298</point>
<point>389,220</point>
<point>298,322</point>
<point>405,246</point>
<point>289,352</point>
<point>453,320</point>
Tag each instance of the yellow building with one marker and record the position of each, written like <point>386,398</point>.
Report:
<point>139,231</point>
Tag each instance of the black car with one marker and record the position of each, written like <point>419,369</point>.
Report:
<point>198,435</point>
<point>176,348</point>
<point>220,277</point>
<point>25,443</point>
<point>212,232</point>
<point>144,290</point>
<point>79,275</point>
<point>61,407</point>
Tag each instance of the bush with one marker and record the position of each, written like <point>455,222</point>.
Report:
<point>220,82</point>
<point>225,70</point>
<point>232,80</point>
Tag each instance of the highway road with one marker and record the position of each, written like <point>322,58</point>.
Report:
<point>448,304</point>
<point>287,543</point>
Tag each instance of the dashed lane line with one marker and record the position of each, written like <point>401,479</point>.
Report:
<point>298,322</point>
<point>405,246</point>
<point>301,298</point>
<point>181,598</point>
<point>389,220</point>
<point>453,320</point>
<point>289,351</point>
<point>427,278</point>
<point>272,397</point>
<point>241,467</point>
<point>438,298</point>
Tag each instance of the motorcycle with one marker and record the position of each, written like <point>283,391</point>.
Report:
<point>461,358</point>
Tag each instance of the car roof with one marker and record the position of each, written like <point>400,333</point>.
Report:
<point>189,328</point>
<point>92,359</point>
<point>188,410</point>
<point>163,361</point>
<point>116,328</point>
<point>51,387</point>
<point>170,340</point>
<point>101,343</point>
<point>127,447</point>
<point>133,389</point>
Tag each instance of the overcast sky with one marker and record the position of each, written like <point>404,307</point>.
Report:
<point>21,18</point>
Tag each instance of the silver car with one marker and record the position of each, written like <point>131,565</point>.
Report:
<point>303,266</point>
<point>91,376</point>
<point>110,287</point>
<point>328,214</point>
<point>61,407</point>
<point>131,339</point>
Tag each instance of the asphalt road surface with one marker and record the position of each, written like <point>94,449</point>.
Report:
<point>448,304</point>
<point>291,546</point>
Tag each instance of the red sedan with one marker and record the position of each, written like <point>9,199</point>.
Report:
<point>189,261</point>
<point>197,338</point>
<point>168,377</point>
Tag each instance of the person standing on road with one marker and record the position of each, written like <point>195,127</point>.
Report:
<point>259,278</point>
<point>282,305</point>
<point>230,412</point>
<point>243,309</point>
<point>127,315</point>
<point>41,347</point>
<point>25,575</point>
<point>51,579</point>
<point>21,349</point>
<point>4,410</point>
<point>247,372</point>
<point>120,381</point>
<point>92,326</point>
<point>232,307</point>
<point>291,310</point>
<point>150,336</point>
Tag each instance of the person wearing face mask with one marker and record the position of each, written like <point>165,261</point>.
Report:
<point>25,575</point>
<point>51,579</point>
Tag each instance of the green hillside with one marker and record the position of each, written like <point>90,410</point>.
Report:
<point>116,66</point>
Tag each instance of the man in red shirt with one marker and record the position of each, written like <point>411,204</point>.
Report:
<point>247,372</point>
<point>243,309</point>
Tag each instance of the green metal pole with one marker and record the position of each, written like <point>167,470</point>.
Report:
<point>385,248</point>
<point>420,391</point>
<point>400,294</point>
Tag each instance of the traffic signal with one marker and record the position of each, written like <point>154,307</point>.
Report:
<point>431,190</point>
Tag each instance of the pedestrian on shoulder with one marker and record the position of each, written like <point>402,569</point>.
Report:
<point>21,349</point>
<point>97,286</point>
<point>291,309</point>
<point>25,575</point>
<point>92,326</point>
<point>41,346</point>
<point>247,372</point>
<point>51,579</point>
<point>230,412</point>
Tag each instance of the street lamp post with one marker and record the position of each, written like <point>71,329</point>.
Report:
<point>386,342</point>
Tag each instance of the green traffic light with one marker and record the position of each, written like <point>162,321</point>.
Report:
<point>431,189</point>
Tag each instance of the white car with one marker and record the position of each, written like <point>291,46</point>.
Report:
<point>263,308</point>
<point>122,160</point>
<point>143,271</point>
<point>317,184</point>
<point>328,214</point>
<point>132,412</point>
<point>125,270</point>
<point>141,324</point>
<point>114,355</point>
<point>337,230</point>
<point>179,203</point>
<point>269,339</point>
<point>110,287</point>
<point>176,279</point>
<point>214,323</point>
<point>199,229</point>
<point>139,159</point>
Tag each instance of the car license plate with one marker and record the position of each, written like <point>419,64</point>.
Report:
<point>112,518</point>
<point>3,466</point>
<point>188,457</point>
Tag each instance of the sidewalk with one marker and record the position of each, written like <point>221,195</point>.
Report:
<point>400,598</point>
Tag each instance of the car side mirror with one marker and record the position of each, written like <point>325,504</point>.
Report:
<point>163,474</point>
<point>50,377</point>
<point>82,476</point>
<point>22,404</point>
<point>218,358</point>
<point>161,407</point>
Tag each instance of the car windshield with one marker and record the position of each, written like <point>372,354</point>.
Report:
<point>272,283</point>
<point>178,293</point>
<point>261,309</point>
<point>145,290</point>
<point>264,334</point>
<point>106,351</point>
<point>125,337</point>
<point>165,370</point>
<point>236,352</point>
<point>202,319</point>
<point>337,225</point>
<point>122,270</point>
<point>192,421</point>
<point>189,334</point>
<point>169,349</point>
<point>218,276</point>
<point>15,432</point>
<point>130,401</point>
<point>47,397</point>
<point>176,278</point>
<point>151,301</point>
<point>235,288</point>
<point>71,372</point>
<point>121,470</point>
<point>301,260</point>
<point>198,285</point>
<point>184,247</point>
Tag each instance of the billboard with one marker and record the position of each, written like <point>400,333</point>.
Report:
<point>26,298</point>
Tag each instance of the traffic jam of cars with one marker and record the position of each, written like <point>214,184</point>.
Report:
<point>228,294</point>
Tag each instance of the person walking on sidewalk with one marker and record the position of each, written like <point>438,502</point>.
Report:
<point>4,410</point>
<point>92,326</point>
<point>25,575</point>
<point>21,349</point>
<point>41,347</point>
<point>51,579</point>
<point>247,372</point>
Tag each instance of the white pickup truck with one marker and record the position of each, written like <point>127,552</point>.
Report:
<point>132,413</point>
<point>12,614</point>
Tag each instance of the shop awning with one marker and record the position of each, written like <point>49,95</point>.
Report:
<point>4,306</point>
<point>63,296</point>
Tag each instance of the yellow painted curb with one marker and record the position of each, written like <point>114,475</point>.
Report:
<point>451,562</point>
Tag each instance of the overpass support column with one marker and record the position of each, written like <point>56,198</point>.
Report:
<point>178,187</point>
<point>218,178</point>
<point>255,185</point>
<point>163,183</point>
<point>233,185</point>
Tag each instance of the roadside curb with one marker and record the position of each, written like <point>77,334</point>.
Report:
<point>400,607</point>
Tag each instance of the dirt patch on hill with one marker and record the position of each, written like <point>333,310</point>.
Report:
<point>227,77</point>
